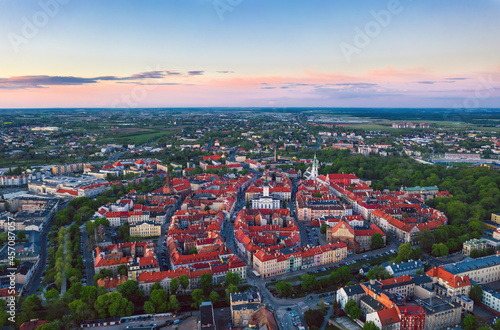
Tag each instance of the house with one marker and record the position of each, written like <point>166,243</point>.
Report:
<point>207,319</point>
<point>404,268</point>
<point>243,305</point>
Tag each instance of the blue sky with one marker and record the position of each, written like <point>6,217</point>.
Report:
<point>255,53</point>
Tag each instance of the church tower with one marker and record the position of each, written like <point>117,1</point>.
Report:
<point>314,169</point>
<point>168,188</point>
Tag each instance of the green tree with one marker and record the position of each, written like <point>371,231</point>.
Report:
<point>370,326</point>
<point>214,297</point>
<point>349,305</point>
<point>439,250</point>
<point>159,298</point>
<point>198,298</point>
<point>232,278</point>
<point>184,280</point>
<point>474,253</point>
<point>314,318</point>
<point>80,310</point>
<point>344,273</point>
<point>206,283</point>
<point>51,296</point>
<point>377,241</point>
<point>426,238</point>
<point>3,313</point>
<point>284,289</point>
<point>308,282</point>
<point>21,235</point>
<point>173,304</point>
<point>476,293</point>
<point>355,313</point>
<point>323,228</point>
<point>149,307</point>
<point>30,306</point>
<point>174,285</point>
<point>4,237</point>
<point>470,322</point>
<point>130,290</point>
<point>193,251</point>
<point>247,206</point>
<point>113,304</point>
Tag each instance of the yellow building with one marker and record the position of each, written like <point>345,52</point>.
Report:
<point>145,229</point>
<point>495,217</point>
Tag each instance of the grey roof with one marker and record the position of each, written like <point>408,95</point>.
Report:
<point>469,264</point>
<point>374,304</point>
<point>421,279</point>
<point>353,290</point>
<point>406,266</point>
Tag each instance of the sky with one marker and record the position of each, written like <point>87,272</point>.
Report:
<point>249,53</point>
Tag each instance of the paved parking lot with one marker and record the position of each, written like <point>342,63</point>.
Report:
<point>347,323</point>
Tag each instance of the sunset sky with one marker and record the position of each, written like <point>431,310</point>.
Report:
<point>256,53</point>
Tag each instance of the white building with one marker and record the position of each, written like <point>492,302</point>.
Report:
<point>265,200</point>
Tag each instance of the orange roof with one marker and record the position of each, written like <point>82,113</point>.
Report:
<point>389,316</point>
<point>453,280</point>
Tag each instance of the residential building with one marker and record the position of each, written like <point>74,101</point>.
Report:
<point>474,244</point>
<point>243,306</point>
<point>404,268</point>
<point>145,229</point>
<point>207,319</point>
<point>481,270</point>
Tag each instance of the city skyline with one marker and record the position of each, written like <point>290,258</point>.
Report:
<point>249,54</point>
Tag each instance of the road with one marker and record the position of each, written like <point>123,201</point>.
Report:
<point>34,285</point>
<point>87,256</point>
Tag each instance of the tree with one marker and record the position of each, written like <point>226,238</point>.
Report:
<point>232,278</point>
<point>496,326</point>
<point>173,304</point>
<point>284,289</point>
<point>4,237</point>
<point>184,280</point>
<point>149,307</point>
<point>405,252</point>
<point>232,288</point>
<point>378,272</point>
<point>3,313</point>
<point>314,318</point>
<point>470,322</point>
<point>322,230</point>
<point>174,285</point>
<point>355,313</point>
<point>113,304</point>
<point>439,250</point>
<point>344,273</point>
<point>51,296</point>
<point>370,326</point>
<point>377,241</point>
<point>122,270</point>
<point>80,310</point>
<point>32,304</point>
<point>214,297</point>
<point>476,293</point>
<point>198,298</point>
<point>247,206</point>
<point>308,282</point>
<point>130,290</point>
<point>159,298</point>
<point>193,251</point>
<point>349,305</point>
<point>206,283</point>
<point>21,235</point>
<point>474,253</point>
